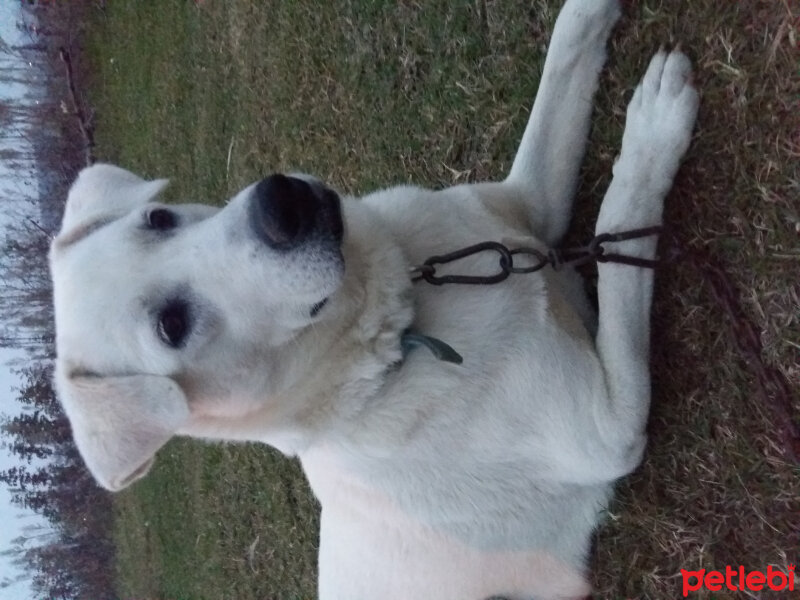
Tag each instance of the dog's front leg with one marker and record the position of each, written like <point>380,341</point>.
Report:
<point>548,160</point>
<point>657,133</point>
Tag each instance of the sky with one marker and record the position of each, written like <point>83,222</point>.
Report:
<point>12,519</point>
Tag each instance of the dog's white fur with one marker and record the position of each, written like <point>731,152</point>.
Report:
<point>436,480</point>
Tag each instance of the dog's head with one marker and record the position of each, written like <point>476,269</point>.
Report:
<point>169,312</point>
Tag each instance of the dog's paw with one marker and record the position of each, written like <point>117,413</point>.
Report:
<point>661,115</point>
<point>658,130</point>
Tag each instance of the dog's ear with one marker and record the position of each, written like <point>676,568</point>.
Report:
<point>119,423</point>
<point>105,191</point>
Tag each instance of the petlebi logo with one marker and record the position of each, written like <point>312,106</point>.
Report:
<point>774,579</point>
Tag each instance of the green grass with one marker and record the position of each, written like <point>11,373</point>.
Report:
<point>219,93</point>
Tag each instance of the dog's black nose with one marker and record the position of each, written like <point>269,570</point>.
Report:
<point>283,211</point>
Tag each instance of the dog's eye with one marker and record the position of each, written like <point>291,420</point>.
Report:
<point>161,219</point>
<point>173,324</point>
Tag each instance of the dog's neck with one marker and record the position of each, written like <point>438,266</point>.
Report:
<point>341,362</point>
<point>360,339</point>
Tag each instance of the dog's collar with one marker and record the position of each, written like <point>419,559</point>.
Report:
<point>411,339</point>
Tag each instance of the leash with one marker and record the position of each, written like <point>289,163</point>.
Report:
<point>538,260</point>
<point>554,257</point>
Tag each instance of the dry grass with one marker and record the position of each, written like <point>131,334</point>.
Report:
<point>716,487</point>
<point>368,93</point>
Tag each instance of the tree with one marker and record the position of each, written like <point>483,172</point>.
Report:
<point>72,559</point>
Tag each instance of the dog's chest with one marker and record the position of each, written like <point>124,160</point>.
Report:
<point>457,446</point>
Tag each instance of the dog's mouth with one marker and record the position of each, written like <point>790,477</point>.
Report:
<point>315,310</point>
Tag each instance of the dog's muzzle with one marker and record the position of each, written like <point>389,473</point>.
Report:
<point>286,212</point>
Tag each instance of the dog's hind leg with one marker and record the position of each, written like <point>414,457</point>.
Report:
<point>548,160</point>
<point>658,130</point>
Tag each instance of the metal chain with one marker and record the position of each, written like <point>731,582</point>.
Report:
<point>555,258</point>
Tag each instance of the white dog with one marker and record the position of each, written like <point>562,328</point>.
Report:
<point>289,318</point>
